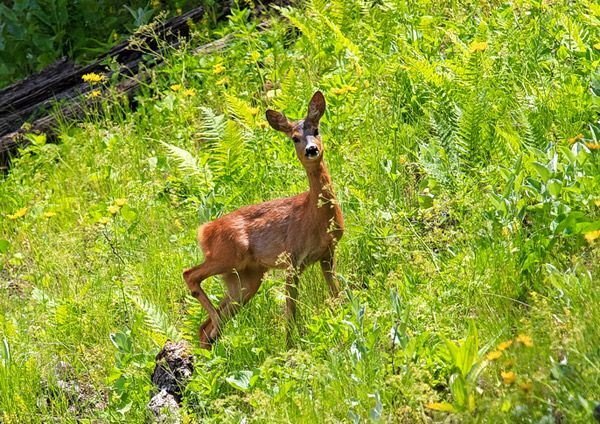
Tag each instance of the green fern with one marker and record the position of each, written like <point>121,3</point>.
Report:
<point>154,318</point>
<point>240,111</point>
<point>186,162</point>
<point>212,125</point>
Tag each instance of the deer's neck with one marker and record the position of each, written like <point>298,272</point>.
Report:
<point>320,188</point>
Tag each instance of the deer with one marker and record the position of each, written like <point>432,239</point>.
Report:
<point>289,233</point>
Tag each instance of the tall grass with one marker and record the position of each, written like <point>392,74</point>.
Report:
<point>463,145</point>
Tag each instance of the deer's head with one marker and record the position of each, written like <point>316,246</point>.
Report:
<point>305,132</point>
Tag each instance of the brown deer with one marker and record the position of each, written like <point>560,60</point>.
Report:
<point>289,233</point>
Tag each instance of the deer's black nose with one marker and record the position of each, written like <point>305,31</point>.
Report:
<point>312,151</point>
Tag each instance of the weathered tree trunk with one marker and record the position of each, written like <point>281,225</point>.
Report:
<point>60,86</point>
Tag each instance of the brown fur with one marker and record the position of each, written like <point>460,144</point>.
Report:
<point>289,233</point>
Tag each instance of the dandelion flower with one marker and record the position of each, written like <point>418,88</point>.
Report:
<point>49,214</point>
<point>189,92</point>
<point>478,46</point>
<point>505,345</point>
<point>113,209</point>
<point>18,214</point>
<point>593,146</point>
<point>578,137</point>
<point>218,69</point>
<point>93,78</point>
<point>120,202</point>
<point>440,406</point>
<point>254,56</point>
<point>345,89</point>
<point>592,235</point>
<point>176,87</point>
<point>525,340</point>
<point>508,377</point>
<point>492,356</point>
<point>94,93</point>
<point>526,386</point>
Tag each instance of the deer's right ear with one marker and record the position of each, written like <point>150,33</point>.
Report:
<point>278,121</point>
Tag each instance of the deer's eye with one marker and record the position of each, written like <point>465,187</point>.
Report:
<point>296,139</point>
<point>316,132</point>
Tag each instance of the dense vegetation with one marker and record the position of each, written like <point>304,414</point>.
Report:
<point>463,145</point>
<point>35,33</point>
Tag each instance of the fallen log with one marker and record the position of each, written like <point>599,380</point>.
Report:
<point>27,106</point>
<point>32,99</point>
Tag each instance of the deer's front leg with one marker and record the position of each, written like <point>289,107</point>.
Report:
<point>328,268</point>
<point>291,285</point>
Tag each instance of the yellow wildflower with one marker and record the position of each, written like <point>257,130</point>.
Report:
<point>525,340</point>
<point>18,214</point>
<point>223,81</point>
<point>176,87</point>
<point>576,138</point>
<point>113,209</point>
<point>93,78</point>
<point>592,235</point>
<point>526,386</point>
<point>440,406</point>
<point>345,89</point>
<point>103,220</point>
<point>492,356</point>
<point>94,93</point>
<point>189,92</point>
<point>254,56</point>
<point>505,345</point>
<point>593,146</point>
<point>508,377</point>
<point>218,69</point>
<point>120,202</point>
<point>49,214</point>
<point>478,46</point>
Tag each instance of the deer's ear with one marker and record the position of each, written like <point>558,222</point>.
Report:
<point>316,108</point>
<point>278,121</point>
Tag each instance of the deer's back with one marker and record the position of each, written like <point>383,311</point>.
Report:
<point>273,234</point>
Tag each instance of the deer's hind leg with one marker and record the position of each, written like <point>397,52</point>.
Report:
<point>194,278</point>
<point>241,287</point>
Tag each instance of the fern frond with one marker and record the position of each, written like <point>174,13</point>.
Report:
<point>154,318</point>
<point>241,111</point>
<point>303,24</point>
<point>211,125</point>
<point>352,48</point>
<point>185,160</point>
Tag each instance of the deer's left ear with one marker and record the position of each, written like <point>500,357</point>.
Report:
<point>316,108</point>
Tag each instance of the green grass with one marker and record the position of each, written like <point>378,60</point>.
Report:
<point>452,136</point>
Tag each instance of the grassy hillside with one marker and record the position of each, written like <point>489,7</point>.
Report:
<point>463,145</point>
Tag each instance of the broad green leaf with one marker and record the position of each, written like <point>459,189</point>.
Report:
<point>458,388</point>
<point>240,380</point>
<point>542,170</point>
<point>128,213</point>
<point>469,349</point>
<point>554,187</point>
